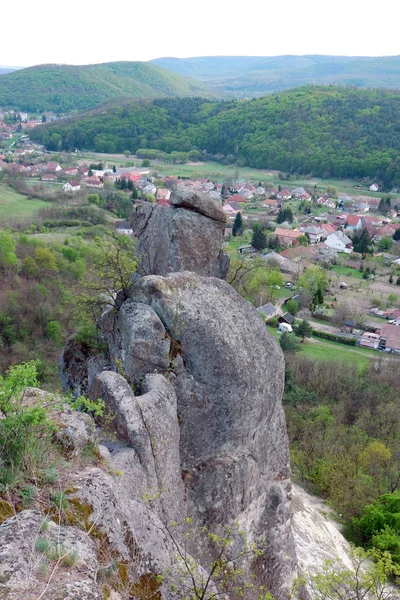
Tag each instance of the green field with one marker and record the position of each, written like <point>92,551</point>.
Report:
<point>347,271</point>
<point>16,206</point>
<point>319,349</point>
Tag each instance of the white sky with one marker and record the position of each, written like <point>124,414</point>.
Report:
<point>79,32</point>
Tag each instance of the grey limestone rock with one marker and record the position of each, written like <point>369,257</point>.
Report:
<point>22,560</point>
<point>137,338</point>
<point>229,381</point>
<point>188,235</point>
<point>75,430</point>
<point>149,424</point>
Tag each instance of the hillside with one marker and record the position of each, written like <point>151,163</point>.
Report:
<point>324,131</point>
<point>63,88</point>
<point>5,70</point>
<point>245,76</point>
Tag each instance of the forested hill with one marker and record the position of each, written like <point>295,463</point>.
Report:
<point>247,76</point>
<point>324,131</point>
<point>62,88</point>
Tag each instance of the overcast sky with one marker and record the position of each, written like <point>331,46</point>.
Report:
<point>79,32</point>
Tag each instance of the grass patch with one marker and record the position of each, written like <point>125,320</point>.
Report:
<point>16,206</point>
<point>347,271</point>
<point>334,351</point>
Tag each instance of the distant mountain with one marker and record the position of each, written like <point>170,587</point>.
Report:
<point>247,76</point>
<point>63,88</point>
<point>5,70</point>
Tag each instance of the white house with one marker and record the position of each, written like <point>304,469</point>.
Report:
<point>374,187</point>
<point>339,241</point>
<point>314,234</point>
<point>72,186</point>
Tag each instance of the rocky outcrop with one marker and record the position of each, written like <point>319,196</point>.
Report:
<point>197,401</point>
<point>149,424</point>
<point>78,365</point>
<point>29,551</point>
<point>187,236</point>
<point>137,339</point>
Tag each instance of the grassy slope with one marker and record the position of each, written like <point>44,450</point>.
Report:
<point>62,88</point>
<point>14,205</point>
<point>334,351</point>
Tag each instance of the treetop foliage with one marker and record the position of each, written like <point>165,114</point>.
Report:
<point>326,131</point>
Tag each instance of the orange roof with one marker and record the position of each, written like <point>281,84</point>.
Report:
<point>290,233</point>
<point>352,220</point>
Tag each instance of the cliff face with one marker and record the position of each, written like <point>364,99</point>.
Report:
<point>203,433</point>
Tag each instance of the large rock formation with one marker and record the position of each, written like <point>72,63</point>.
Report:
<point>197,400</point>
<point>187,236</point>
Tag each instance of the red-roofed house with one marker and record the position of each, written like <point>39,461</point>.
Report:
<point>354,222</point>
<point>237,198</point>
<point>284,195</point>
<point>287,237</point>
<point>163,195</point>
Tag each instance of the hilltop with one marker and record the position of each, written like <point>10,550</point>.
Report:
<point>247,76</point>
<point>63,88</point>
<point>324,131</point>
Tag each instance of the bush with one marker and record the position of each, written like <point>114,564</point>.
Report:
<point>289,343</point>
<point>335,338</point>
<point>25,431</point>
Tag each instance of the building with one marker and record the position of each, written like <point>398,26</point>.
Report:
<point>339,241</point>
<point>71,186</point>
<point>369,340</point>
<point>314,234</point>
<point>287,237</point>
<point>390,338</point>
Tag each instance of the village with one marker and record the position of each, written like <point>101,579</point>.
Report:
<point>355,238</point>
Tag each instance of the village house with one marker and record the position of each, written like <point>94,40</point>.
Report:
<point>362,207</point>
<point>287,237</point>
<point>285,265</point>
<point>287,318</point>
<point>52,166</point>
<point>374,187</point>
<point>390,338</point>
<point>369,340</point>
<point>163,194</point>
<point>49,177</point>
<point>284,195</point>
<point>354,222</point>
<point>340,242</point>
<point>123,227</point>
<point>306,197</point>
<point>94,182</point>
<point>298,192</point>
<point>272,192</point>
<point>72,186</point>
<point>248,249</point>
<point>232,208</point>
<point>268,310</point>
<point>237,198</point>
<point>272,204</point>
<point>314,234</point>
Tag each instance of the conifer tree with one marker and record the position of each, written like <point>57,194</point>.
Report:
<point>238,227</point>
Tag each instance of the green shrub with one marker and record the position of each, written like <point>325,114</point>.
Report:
<point>25,431</point>
<point>335,338</point>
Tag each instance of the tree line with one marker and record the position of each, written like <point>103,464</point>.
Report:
<point>324,131</point>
